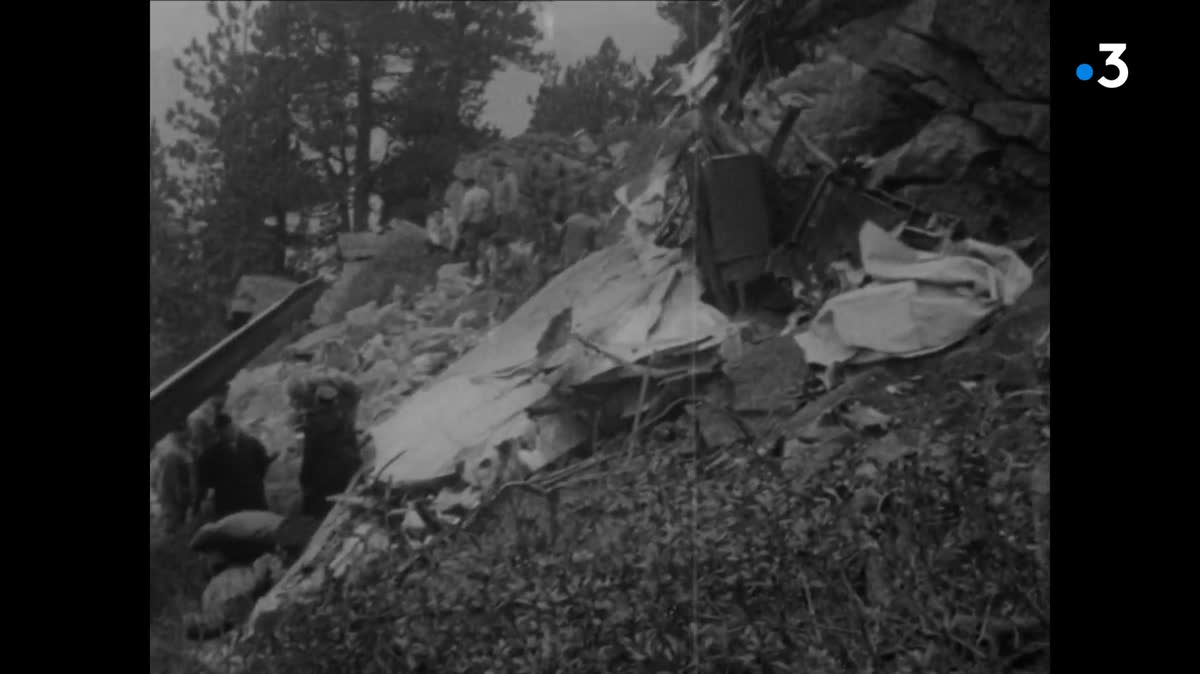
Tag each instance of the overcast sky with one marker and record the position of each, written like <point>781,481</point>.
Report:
<point>574,29</point>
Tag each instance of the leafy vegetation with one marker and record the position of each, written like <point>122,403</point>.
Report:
<point>604,91</point>
<point>598,92</point>
<point>182,319</point>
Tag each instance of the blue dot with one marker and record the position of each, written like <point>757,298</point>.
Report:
<point>1084,72</point>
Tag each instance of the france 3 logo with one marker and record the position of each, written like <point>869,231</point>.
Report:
<point>1114,63</point>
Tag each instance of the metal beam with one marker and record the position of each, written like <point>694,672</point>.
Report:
<point>174,399</point>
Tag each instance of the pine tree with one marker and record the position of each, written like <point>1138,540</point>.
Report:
<point>600,90</point>
<point>182,321</point>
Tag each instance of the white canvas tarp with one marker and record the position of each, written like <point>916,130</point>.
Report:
<point>919,302</point>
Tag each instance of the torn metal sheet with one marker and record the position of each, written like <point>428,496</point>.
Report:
<point>629,308</point>
<point>647,202</point>
<point>700,76</point>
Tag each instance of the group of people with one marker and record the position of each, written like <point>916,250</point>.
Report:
<point>210,468</point>
<point>210,456</point>
<point>482,227</point>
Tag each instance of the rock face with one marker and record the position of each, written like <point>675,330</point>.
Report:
<point>944,150</point>
<point>953,98</point>
<point>1018,120</point>
<point>1011,39</point>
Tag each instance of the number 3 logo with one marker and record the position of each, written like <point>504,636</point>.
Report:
<point>1114,49</point>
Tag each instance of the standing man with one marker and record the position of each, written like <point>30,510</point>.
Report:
<point>231,463</point>
<point>579,237</point>
<point>506,199</point>
<point>436,236</point>
<point>476,223</point>
<point>452,230</point>
<point>326,416</point>
<point>454,196</point>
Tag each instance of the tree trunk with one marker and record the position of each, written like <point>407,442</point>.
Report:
<point>362,140</point>
<point>283,147</point>
<point>279,254</point>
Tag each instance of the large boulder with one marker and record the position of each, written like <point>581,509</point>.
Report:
<point>945,149</point>
<point>1017,119</point>
<point>912,59</point>
<point>1032,166</point>
<point>1011,39</point>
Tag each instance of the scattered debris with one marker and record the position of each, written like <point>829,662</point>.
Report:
<point>769,378</point>
<point>622,310</point>
<point>365,542</point>
<point>630,311</point>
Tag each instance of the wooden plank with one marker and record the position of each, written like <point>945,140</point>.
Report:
<point>175,398</point>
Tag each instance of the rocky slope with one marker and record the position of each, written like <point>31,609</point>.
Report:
<point>953,98</point>
<point>905,514</point>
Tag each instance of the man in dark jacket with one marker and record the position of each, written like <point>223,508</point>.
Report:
<point>232,464</point>
<point>331,456</point>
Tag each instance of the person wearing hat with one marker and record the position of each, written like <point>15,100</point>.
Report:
<point>453,199</point>
<point>505,199</point>
<point>578,236</point>
<point>330,450</point>
<point>436,234</point>
<point>231,464</point>
<point>477,225</point>
<point>175,479</point>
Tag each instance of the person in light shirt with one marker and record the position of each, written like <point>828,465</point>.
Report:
<point>435,232</point>
<point>505,200</point>
<point>451,230</point>
<point>453,199</point>
<point>175,479</point>
<point>477,224</point>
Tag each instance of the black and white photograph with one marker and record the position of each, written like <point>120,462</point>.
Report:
<point>577,337</point>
